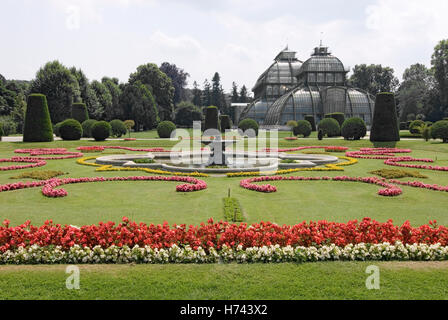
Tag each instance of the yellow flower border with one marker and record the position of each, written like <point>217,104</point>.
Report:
<point>328,167</point>
<point>111,168</point>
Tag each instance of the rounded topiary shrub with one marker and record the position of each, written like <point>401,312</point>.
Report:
<point>338,116</point>
<point>385,121</point>
<point>354,129</point>
<point>118,128</point>
<point>56,128</point>
<point>37,127</point>
<point>439,130</point>
<point>311,120</point>
<point>79,112</point>
<point>87,128</point>
<point>303,128</point>
<point>70,129</point>
<point>211,118</point>
<point>247,124</point>
<point>330,127</point>
<point>226,123</point>
<point>165,128</point>
<point>416,126</point>
<point>101,130</point>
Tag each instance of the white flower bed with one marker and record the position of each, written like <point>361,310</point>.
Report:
<point>272,254</point>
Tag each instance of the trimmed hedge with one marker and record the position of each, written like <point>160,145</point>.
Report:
<point>247,124</point>
<point>330,127</point>
<point>211,118</point>
<point>70,129</point>
<point>79,112</point>
<point>385,122</point>
<point>226,123</point>
<point>338,116</point>
<point>87,128</point>
<point>439,130</point>
<point>416,126</point>
<point>118,128</point>
<point>311,120</point>
<point>101,130</point>
<point>354,129</point>
<point>37,127</point>
<point>303,128</point>
<point>165,128</point>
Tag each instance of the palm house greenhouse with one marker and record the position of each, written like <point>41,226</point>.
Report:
<point>291,89</point>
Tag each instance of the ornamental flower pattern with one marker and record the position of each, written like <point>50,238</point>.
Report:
<point>389,191</point>
<point>49,186</point>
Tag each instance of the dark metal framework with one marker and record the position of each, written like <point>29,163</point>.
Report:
<point>320,89</point>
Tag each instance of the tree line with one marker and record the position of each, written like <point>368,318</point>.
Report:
<point>152,94</point>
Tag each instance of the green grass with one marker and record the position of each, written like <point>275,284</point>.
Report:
<point>156,202</point>
<point>329,280</point>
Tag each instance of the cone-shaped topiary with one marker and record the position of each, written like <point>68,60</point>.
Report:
<point>211,118</point>
<point>79,112</point>
<point>70,129</point>
<point>311,120</point>
<point>101,130</point>
<point>226,123</point>
<point>385,123</point>
<point>165,128</point>
<point>353,129</point>
<point>37,126</point>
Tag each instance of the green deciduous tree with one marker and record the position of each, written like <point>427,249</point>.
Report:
<point>104,99</point>
<point>178,78</point>
<point>115,111</point>
<point>60,87</point>
<point>88,95</point>
<point>374,78</point>
<point>439,64</point>
<point>160,86</point>
<point>138,104</point>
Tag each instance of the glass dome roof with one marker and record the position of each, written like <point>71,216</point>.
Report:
<point>316,101</point>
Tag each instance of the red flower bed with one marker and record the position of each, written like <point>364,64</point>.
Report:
<point>376,153</point>
<point>48,186</point>
<point>218,234</point>
<point>102,148</point>
<point>34,162</point>
<point>336,149</point>
<point>340,149</point>
<point>389,191</point>
<point>64,154</point>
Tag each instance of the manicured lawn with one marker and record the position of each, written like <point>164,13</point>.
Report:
<point>156,202</point>
<point>330,280</point>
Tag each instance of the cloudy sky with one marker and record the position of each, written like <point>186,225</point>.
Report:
<point>237,38</point>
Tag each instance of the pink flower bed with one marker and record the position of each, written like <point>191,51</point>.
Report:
<point>49,186</point>
<point>388,155</point>
<point>64,154</point>
<point>340,149</point>
<point>102,148</point>
<point>389,191</point>
<point>34,162</point>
